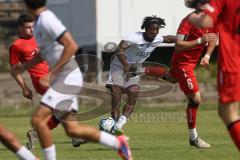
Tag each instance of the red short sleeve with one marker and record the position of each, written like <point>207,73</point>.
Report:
<point>184,27</point>
<point>14,57</point>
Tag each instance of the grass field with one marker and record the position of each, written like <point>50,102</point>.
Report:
<point>155,134</point>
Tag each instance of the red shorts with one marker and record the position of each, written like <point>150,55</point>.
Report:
<point>38,87</point>
<point>186,78</point>
<point>228,87</point>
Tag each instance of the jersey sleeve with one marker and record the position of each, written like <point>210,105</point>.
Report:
<point>54,27</point>
<point>159,38</point>
<point>184,27</point>
<point>214,9</point>
<point>130,38</point>
<point>14,55</point>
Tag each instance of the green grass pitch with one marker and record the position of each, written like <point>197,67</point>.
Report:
<point>155,134</point>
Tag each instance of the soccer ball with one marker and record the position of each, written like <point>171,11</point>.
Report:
<point>107,124</point>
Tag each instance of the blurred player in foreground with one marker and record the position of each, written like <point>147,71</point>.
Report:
<point>23,50</point>
<point>59,48</point>
<point>135,48</point>
<point>225,15</point>
<point>10,141</point>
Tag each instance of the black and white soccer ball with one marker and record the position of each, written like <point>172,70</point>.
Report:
<point>107,124</point>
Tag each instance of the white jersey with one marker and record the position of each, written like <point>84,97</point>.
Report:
<point>139,51</point>
<point>47,29</point>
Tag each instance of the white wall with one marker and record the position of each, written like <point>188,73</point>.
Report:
<point>116,18</point>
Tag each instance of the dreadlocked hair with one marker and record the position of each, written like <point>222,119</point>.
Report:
<point>194,3</point>
<point>153,20</point>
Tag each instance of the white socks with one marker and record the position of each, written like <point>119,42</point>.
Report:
<point>121,121</point>
<point>50,153</point>
<point>108,140</point>
<point>24,154</point>
<point>193,134</point>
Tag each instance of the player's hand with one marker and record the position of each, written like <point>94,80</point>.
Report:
<point>27,93</point>
<point>205,61</point>
<point>131,72</point>
<point>208,37</point>
<point>126,68</point>
<point>17,69</point>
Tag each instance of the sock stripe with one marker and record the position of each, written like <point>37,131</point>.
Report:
<point>232,124</point>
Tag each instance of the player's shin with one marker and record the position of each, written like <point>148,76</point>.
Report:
<point>234,130</point>
<point>191,113</point>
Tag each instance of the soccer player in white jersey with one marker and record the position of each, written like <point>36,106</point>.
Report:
<point>58,47</point>
<point>135,48</point>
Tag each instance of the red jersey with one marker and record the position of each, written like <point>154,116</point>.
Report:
<point>23,50</point>
<point>191,32</point>
<point>226,15</point>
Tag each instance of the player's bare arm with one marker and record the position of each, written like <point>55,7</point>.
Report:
<point>26,91</point>
<point>169,39</point>
<point>70,48</point>
<point>210,48</point>
<point>122,47</point>
<point>183,45</point>
<point>20,68</point>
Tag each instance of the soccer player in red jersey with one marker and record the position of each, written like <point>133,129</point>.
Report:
<point>225,15</point>
<point>189,47</point>
<point>22,50</point>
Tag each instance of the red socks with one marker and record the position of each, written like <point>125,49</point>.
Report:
<point>234,130</point>
<point>191,116</point>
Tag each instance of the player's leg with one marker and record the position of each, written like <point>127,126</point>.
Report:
<point>189,85</point>
<point>229,97</point>
<point>132,95</point>
<point>191,113</point>
<point>229,114</point>
<point>39,121</point>
<point>52,122</point>
<point>73,129</point>
<point>158,72</point>
<point>32,134</point>
<point>117,79</point>
<point>115,92</point>
<point>11,142</point>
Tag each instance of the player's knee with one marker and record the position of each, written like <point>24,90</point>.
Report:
<point>194,102</point>
<point>35,121</point>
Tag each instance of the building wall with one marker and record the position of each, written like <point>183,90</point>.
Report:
<point>100,21</point>
<point>79,16</point>
<point>116,18</point>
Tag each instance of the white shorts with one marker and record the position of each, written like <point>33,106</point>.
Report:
<point>117,78</point>
<point>64,90</point>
